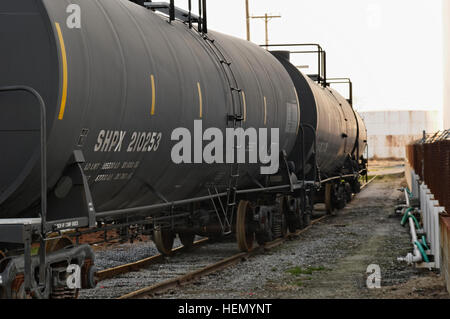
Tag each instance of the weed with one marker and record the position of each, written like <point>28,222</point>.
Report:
<point>297,271</point>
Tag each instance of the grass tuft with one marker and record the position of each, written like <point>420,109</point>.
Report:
<point>297,271</point>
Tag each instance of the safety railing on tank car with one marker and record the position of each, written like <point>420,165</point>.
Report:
<point>174,13</point>
<point>43,149</point>
<point>321,58</point>
<point>344,81</point>
<point>43,144</point>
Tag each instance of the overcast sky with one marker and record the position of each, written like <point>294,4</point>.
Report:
<point>392,49</point>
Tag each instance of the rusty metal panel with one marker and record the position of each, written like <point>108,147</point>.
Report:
<point>445,176</point>
<point>445,249</point>
<point>431,161</point>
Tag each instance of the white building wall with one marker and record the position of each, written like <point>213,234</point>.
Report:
<point>446,23</point>
<point>390,131</point>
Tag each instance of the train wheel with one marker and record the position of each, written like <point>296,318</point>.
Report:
<point>299,214</point>
<point>244,235</point>
<point>292,214</point>
<point>54,245</point>
<point>163,239</point>
<point>348,192</point>
<point>57,244</point>
<point>187,239</point>
<point>328,199</point>
<point>306,219</point>
<point>3,264</point>
<point>284,227</point>
<point>356,186</point>
<point>284,223</point>
<point>88,273</point>
<point>340,197</point>
<point>18,288</point>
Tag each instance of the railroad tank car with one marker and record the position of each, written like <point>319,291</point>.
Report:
<point>116,88</point>
<point>340,131</point>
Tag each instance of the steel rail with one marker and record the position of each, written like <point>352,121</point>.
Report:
<point>224,263</point>
<point>369,181</point>
<point>338,177</point>
<point>126,268</point>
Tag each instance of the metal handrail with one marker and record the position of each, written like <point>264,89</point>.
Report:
<point>321,58</point>
<point>43,139</point>
<point>344,81</point>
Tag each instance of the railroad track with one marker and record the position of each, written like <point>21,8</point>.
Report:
<point>135,266</point>
<point>212,268</point>
<point>371,180</point>
<point>189,277</point>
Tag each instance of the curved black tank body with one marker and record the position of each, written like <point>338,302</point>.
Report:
<point>116,88</point>
<point>340,131</point>
<point>362,136</point>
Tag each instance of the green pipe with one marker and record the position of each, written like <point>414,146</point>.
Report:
<point>415,221</point>
<point>405,216</point>
<point>422,251</point>
<point>409,192</point>
<point>424,242</point>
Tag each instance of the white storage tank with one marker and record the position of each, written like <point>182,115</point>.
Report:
<point>446,22</point>
<point>390,131</point>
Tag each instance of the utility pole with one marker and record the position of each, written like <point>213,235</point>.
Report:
<point>266,18</point>
<point>247,10</point>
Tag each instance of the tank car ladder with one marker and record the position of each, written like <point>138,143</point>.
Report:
<point>236,118</point>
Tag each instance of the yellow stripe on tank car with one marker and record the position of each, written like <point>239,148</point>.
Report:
<point>200,99</point>
<point>265,110</point>
<point>245,105</point>
<point>152,78</point>
<point>298,110</point>
<point>65,77</point>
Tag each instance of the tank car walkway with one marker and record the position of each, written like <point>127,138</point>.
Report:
<point>331,259</point>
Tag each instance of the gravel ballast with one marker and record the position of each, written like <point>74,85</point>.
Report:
<point>329,260</point>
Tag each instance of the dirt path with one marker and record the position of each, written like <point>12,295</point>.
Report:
<point>386,167</point>
<point>331,259</point>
